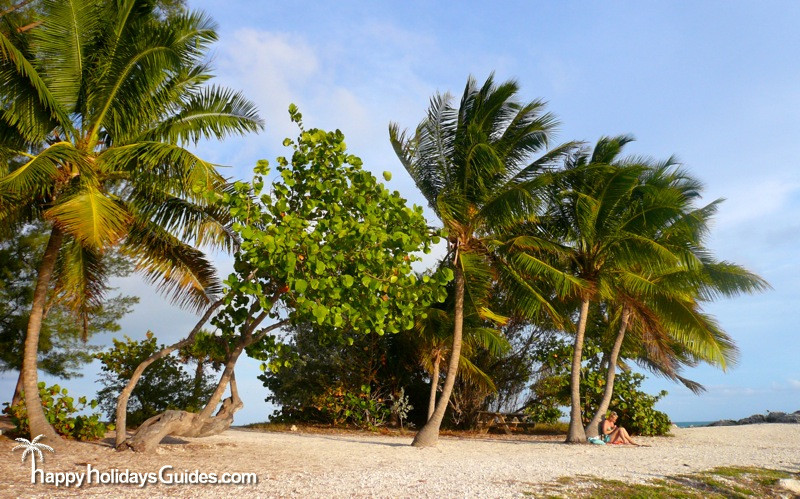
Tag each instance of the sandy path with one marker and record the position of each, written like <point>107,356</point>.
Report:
<point>303,465</point>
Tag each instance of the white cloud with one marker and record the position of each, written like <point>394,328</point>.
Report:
<point>753,201</point>
<point>270,68</point>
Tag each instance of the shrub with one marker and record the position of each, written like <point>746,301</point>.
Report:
<point>542,413</point>
<point>400,406</point>
<point>636,409</point>
<point>363,409</point>
<point>165,384</point>
<point>59,409</point>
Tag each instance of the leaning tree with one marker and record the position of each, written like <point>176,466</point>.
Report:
<point>475,166</point>
<point>98,100</point>
<point>659,310</point>
<point>326,244</point>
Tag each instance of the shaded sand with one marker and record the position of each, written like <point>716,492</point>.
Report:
<point>357,465</point>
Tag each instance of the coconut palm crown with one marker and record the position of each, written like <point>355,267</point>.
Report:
<point>475,166</point>
<point>98,103</point>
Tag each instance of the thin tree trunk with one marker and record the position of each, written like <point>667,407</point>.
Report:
<point>223,381</point>
<point>594,425</point>
<point>198,382</point>
<point>17,398</point>
<point>30,376</point>
<point>428,436</point>
<point>576,434</point>
<point>125,394</point>
<point>434,385</point>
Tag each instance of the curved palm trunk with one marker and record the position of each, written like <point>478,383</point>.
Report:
<point>428,436</point>
<point>434,385</point>
<point>30,376</point>
<point>576,434</point>
<point>593,429</point>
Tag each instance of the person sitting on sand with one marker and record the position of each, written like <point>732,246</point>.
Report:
<point>612,434</point>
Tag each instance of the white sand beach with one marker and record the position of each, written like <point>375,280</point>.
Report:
<point>362,465</point>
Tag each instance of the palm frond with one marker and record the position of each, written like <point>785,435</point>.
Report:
<point>178,270</point>
<point>92,217</point>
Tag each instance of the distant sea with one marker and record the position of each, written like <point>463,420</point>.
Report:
<point>689,424</point>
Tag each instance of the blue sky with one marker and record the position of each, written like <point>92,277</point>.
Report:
<point>715,83</point>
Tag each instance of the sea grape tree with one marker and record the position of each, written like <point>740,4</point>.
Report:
<point>326,243</point>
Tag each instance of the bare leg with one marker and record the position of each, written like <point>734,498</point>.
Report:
<point>625,437</point>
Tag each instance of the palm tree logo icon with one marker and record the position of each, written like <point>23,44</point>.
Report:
<point>32,447</point>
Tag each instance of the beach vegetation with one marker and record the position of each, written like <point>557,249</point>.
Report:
<point>167,384</point>
<point>475,166</point>
<point>63,339</point>
<point>61,411</point>
<point>723,482</point>
<point>323,225</point>
<point>99,100</point>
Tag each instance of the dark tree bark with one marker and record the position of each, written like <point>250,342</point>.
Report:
<point>17,398</point>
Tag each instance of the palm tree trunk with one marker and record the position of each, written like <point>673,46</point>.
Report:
<point>428,436</point>
<point>30,376</point>
<point>576,434</point>
<point>434,385</point>
<point>593,429</point>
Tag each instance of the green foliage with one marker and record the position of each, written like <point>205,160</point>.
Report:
<point>544,414</point>
<point>636,409</point>
<point>327,245</point>
<point>400,406</point>
<point>60,409</point>
<point>320,365</point>
<point>165,384</point>
<point>362,409</point>
<point>102,99</point>
<point>62,346</point>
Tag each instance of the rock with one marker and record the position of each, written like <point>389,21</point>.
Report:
<point>771,417</point>
<point>790,484</point>
<point>754,419</point>
<point>790,418</point>
<point>775,417</point>
<point>723,422</point>
<point>293,428</point>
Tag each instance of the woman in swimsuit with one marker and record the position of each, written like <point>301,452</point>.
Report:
<point>613,434</point>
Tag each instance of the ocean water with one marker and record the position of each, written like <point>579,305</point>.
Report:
<point>690,424</point>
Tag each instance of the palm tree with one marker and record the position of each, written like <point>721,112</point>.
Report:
<point>98,103</point>
<point>605,220</point>
<point>663,306</point>
<point>473,165</point>
<point>32,447</point>
<point>432,340</point>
